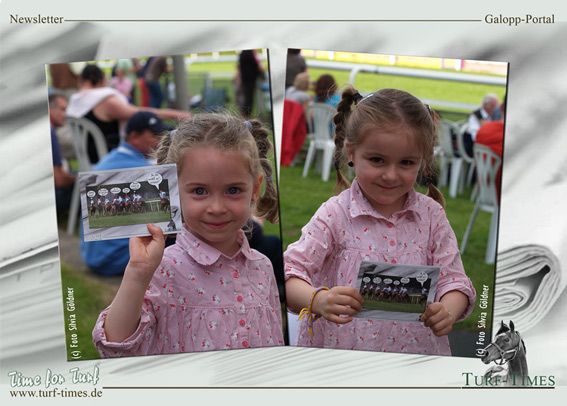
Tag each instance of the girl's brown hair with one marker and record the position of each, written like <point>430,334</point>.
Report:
<point>386,109</point>
<point>227,133</point>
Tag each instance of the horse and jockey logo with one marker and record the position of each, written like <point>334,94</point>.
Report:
<point>508,352</point>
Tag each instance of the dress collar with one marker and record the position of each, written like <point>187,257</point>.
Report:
<point>204,254</point>
<point>360,206</point>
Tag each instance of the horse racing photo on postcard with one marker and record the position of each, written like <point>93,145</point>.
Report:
<point>119,203</point>
<point>396,292</point>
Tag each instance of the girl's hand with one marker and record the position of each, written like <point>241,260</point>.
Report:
<point>336,303</point>
<point>145,256</point>
<point>438,319</point>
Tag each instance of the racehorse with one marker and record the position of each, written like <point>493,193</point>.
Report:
<point>506,350</point>
<point>92,208</point>
<point>164,204</point>
<point>108,207</point>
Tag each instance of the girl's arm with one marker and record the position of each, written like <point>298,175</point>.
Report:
<point>124,313</point>
<point>337,304</point>
<point>445,254</point>
<point>116,109</point>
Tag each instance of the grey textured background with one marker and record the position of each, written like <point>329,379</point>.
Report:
<point>31,317</point>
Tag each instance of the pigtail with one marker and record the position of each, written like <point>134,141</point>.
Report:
<point>343,112</point>
<point>435,193</point>
<point>160,154</point>
<point>429,172</point>
<point>267,205</point>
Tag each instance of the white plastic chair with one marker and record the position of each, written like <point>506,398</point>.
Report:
<point>488,164</point>
<point>444,152</point>
<point>461,166</point>
<point>320,122</point>
<point>81,128</point>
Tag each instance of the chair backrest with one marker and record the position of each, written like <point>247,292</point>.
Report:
<point>445,137</point>
<point>81,129</point>
<point>487,166</point>
<point>461,143</point>
<point>320,121</point>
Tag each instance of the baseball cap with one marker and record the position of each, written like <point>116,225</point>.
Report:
<point>145,120</point>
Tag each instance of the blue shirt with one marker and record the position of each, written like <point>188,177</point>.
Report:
<point>111,257</point>
<point>55,149</point>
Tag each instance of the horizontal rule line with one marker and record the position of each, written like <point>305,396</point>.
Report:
<point>280,387</point>
<point>320,387</point>
<point>275,21</point>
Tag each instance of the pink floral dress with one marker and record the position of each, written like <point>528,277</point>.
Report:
<point>201,300</point>
<point>347,230</point>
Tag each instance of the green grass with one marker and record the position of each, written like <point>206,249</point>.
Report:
<point>423,88</point>
<point>393,307</point>
<point>91,297</point>
<point>301,197</point>
<point>128,219</point>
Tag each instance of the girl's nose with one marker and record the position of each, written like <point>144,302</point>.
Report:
<point>389,173</point>
<point>217,205</point>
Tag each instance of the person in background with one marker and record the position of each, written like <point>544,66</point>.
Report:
<point>156,68</point>
<point>491,134</point>
<point>249,71</point>
<point>121,80</point>
<point>107,108</point>
<point>477,118</point>
<point>298,92</point>
<point>295,65</point>
<point>143,132</point>
<point>326,91</point>
<point>64,180</point>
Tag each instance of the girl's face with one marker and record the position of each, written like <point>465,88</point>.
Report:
<point>217,192</point>
<point>386,164</point>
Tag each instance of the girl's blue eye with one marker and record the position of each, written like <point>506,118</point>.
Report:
<point>376,159</point>
<point>407,162</point>
<point>233,190</point>
<point>200,191</point>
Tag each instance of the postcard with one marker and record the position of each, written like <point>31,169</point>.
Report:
<point>396,292</point>
<point>119,203</point>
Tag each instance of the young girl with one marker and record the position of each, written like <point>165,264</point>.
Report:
<point>209,291</point>
<point>388,138</point>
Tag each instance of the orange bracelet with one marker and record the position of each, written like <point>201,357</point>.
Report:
<point>308,311</point>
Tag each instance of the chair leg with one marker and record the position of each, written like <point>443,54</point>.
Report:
<point>470,173</point>
<point>475,192</point>
<point>443,172</point>
<point>456,166</point>
<point>463,177</point>
<point>73,210</point>
<point>309,159</point>
<point>469,228</point>
<point>327,161</point>
<point>490,257</point>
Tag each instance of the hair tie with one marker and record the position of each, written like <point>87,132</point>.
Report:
<point>369,95</point>
<point>248,125</point>
<point>356,97</point>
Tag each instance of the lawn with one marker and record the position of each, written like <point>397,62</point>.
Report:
<point>470,93</point>
<point>97,221</point>
<point>90,298</point>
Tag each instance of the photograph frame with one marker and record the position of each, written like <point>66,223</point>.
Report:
<point>99,211</point>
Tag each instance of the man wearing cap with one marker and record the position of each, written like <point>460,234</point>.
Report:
<point>142,137</point>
